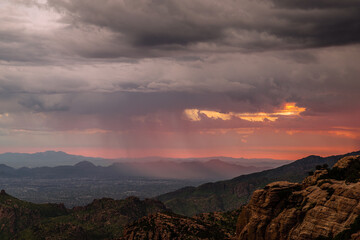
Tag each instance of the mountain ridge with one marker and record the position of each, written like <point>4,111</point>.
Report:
<point>210,170</point>
<point>57,158</point>
<point>230,194</point>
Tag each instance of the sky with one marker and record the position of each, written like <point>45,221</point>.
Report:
<point>191,78</point>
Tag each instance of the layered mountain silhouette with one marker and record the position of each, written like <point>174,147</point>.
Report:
<point>231,194</point>
<point>48,159</point>
<point>210,170</point>
<point>59,158</point>
<point>324,205</point>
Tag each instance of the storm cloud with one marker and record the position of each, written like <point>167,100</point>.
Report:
<point>244,25</point>
<point>125,73</point>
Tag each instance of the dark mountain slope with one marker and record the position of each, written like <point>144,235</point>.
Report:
<point>16,215</point>
<point>102,219</point>
<point>167,225</point>
<point>230,194</point>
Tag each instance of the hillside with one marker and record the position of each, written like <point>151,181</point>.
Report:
<point>102,219</point>
<point>16,215</point>
<point>231,194</point>
<point>324,206</point>
<point>167,225</point>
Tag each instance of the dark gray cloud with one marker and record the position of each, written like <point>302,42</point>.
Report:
<point>245,25</point>
<point>17,46</point>
<point>43,103</point>
<point>125,30</point>
<point>120,73</point>
<point>324,80</point>
<point>317,4</point>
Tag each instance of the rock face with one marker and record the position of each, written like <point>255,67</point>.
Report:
<point>320,206</point>
<point>345,162</point>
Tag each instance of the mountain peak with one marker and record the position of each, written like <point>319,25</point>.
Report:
<point>85,164</point>
<point>215,161</point>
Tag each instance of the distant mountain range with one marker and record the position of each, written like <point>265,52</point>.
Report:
<point>76,180</point>
<point>51,164</point>
<point>211,170</point>
<point>59,158</point>
<point>47,159</point>
<point>231,194</point>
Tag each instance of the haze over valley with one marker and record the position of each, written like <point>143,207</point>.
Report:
<point>75,180</point>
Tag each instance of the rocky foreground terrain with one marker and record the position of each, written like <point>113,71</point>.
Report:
<point>167,225</point>
<point>102,219</point>
<point>325,205</point>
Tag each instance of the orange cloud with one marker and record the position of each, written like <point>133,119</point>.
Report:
<point>289,109</point>
<point>256,117</point>
<point>216,115</point>
<point>192,114</point>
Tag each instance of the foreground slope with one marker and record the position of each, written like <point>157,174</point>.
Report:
<point>102,219</point>
<point>230,194</point>
<point>17,215</point>
<point>325,205</point>
<point>167,225</point>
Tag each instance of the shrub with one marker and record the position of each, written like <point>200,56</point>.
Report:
<point>349,174</point>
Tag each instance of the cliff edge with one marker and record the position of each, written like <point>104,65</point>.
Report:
<point>326,205</point>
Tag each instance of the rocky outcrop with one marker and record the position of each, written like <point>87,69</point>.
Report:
<point>318,207</point>
<point>167,225</point>
<point>345,162</point>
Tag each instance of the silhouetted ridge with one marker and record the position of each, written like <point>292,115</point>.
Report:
<point>85,164</point>
<point>230,194</point>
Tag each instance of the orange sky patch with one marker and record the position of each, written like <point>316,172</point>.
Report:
<point>289,109</point>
